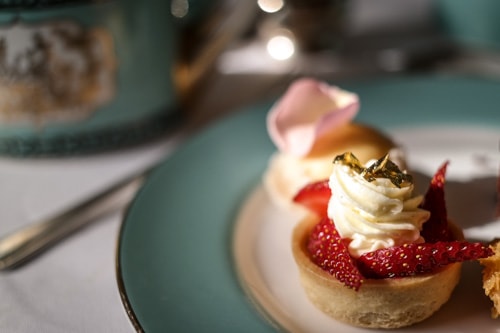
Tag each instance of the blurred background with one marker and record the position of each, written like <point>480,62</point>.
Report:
<point>253,48</point>
<point>81,76</point>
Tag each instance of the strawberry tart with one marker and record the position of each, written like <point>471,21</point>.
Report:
<point>373,254</point>
<point>310,125</point>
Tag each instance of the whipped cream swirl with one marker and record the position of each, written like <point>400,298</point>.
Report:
<point>374,214</point>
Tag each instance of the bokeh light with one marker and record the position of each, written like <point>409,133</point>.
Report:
<point>179,8</point>
<point>280,47</point>
<point>270,6</point>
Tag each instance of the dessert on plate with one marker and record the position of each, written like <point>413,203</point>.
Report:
<point>491,277</point>
<point>310,125</point>
<point>491,267</point>
<point>374,254</point>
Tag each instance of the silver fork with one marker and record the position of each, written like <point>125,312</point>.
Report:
<point>17,247</point>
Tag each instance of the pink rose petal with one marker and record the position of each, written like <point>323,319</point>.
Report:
<point>308,110</point>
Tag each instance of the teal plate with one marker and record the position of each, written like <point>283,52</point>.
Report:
<point>175,266</point>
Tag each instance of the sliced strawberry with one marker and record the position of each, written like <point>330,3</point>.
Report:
<point>413,259</point>
<point>436,228</point>
<point>315,197</point>
<point>329,251</point>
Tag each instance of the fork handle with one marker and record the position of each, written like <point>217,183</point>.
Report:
<point>20,245</point>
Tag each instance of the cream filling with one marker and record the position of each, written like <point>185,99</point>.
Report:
<point>375,214</point>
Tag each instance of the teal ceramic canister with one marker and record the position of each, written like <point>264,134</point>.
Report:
<point>473,24</point>
<point>81,76</point>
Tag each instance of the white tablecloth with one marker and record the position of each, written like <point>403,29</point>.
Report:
<point>72,286</point>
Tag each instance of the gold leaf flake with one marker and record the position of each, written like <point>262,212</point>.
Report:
<point>382,168</point>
